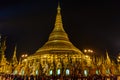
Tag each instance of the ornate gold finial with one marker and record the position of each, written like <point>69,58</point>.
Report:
<point>58,8</point>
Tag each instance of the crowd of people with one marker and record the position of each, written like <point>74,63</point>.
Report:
<point>31,77</point>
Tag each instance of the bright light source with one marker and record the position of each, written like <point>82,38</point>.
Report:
<point>51,72</point>
<point>15,72</point>
<point>23,55</point>
<point>97,72</point>
<point>67,71</point>
<point>22,72</point>
<point>85,50</point>
<point>36,72</point>
<point>86,56</point>
<point>58,72</point>
<point>89,50</point>
<point>118,57</point>
<point>85,72</point>
<point>45,56</point>
<point>25,60</point>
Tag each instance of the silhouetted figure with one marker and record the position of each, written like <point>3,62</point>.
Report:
<point>31,77</point>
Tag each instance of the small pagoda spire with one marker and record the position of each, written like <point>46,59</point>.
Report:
<point>3,45</point>
<point>14,59</point>
<point>108,61</point>
<point>0,44</point>
<point>0,39</point>
<point>3,48</point>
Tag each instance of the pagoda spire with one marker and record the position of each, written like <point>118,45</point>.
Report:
<point>58,38</point>
<point>58,22</point>
<point>3,59</point>
<point>0,45</point>
<point>58,32</point>
<point>3,48</point>
<point>0,40</point>
<point>14,56</point>
<point>108,61</point>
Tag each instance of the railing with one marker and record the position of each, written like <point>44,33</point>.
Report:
<point>82,78</point>
<point>18,77</point>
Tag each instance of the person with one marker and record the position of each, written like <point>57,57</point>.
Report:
<point>39,77</point>
<point>95,77</point>
<point>15,77</point>
<point>31,77</point>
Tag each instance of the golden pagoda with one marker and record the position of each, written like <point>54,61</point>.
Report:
<point>14,58</point>
<point>4,64</point>
<point>58,56</point>
<point>58,41</point>
<point>108,61</point>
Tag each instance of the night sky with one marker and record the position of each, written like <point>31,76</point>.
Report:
<point>89,24</point>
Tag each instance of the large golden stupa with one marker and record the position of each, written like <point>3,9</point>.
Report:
<point>58,42</point>
<point>57,53</point>
<point>58,57</point>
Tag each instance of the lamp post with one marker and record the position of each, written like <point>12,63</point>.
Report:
<point>23,56</point>
<point>89,52</point>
